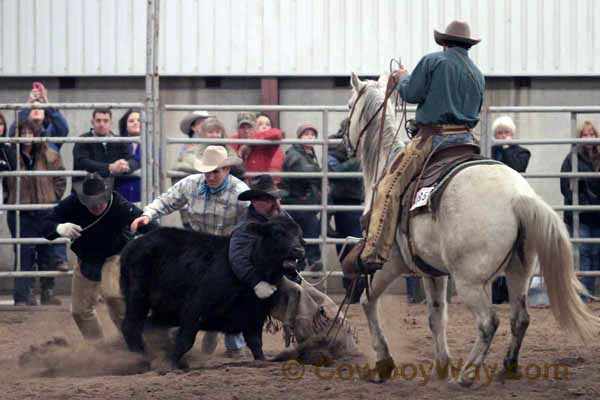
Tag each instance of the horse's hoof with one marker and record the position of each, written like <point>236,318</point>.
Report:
<point>466,383</point>
<point>384,369</point>
<point>459,383</point>
<point>506,374</point>
<point>441,373</point>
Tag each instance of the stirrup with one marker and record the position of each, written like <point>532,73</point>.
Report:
<point>369,267</point>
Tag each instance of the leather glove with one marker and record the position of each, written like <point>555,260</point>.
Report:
<point>69,230</point>
<point>264,289</point>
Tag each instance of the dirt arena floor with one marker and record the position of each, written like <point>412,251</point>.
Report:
<point>115,374</point>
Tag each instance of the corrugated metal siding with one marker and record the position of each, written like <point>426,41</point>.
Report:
<point>292,37</point>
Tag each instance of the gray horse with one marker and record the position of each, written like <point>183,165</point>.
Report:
<point>481,212</point>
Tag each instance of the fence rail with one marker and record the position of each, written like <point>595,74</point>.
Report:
<point>153,153</point>
<point>70,106</point>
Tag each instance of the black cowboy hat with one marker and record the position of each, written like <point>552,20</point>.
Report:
<point>456,31</point>
<point>93,190</point>
<point>260,186</point>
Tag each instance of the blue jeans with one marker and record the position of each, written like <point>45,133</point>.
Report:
<point>234,342</point>
<point>311,229</point>
<point>60,253</point>
<point>412,283</point>
<point>347,223</point>
<point>41,254</point>
<point>589,255</point>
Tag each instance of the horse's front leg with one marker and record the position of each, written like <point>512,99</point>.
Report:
<point>381,280</point>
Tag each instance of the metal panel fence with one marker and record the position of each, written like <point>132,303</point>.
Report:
<point>18,173</point>
<point>574,176</point>
<point>151,172</point>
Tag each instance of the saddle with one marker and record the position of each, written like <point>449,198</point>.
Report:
<point>425,190</point>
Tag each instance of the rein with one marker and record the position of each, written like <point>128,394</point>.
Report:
<point>353,151</point>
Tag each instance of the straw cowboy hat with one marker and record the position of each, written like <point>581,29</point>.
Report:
<point>215,157</point>
<point>93,190</point>
<point>456,31</point>
<point>186,123</point>
<point>260,186</point>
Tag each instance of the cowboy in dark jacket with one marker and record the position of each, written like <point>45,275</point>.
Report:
<point>96,219</point>
<point>264,197</point>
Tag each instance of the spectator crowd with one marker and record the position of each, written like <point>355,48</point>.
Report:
<point>211,205</point>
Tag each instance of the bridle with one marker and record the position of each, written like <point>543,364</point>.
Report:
<point>352,150</point>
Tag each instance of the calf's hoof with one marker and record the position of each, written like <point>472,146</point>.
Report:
<point>165,365</point>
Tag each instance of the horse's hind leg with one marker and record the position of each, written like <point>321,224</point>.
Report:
<point>477,298</point>
<point>381,280</point>
<point>517,277</point>
<point>435,288</point>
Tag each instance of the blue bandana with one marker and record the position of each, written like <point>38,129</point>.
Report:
<point>206,190</point>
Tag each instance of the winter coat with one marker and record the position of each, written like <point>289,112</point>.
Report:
<point>38,189</point>
<point>514,156</point>
<point>589,189</point>
<point>301,190</point>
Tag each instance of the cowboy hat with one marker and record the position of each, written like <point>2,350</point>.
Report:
<point>260,186</point>
<point>93,190</point>
<point>456,31</point>
<point>186,123</point>
<point>215,157</point>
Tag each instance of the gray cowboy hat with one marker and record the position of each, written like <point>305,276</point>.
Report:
<point>215,157</point>
<point>456,31</point>
<point>260,186</point>
<point>186,123</point>
<point>93,190</point>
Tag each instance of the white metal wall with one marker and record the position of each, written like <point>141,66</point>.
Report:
<point>292,37</point>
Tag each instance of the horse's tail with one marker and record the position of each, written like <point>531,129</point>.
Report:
<point>546,234</point>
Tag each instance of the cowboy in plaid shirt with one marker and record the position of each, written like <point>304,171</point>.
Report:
<point>210,197</point>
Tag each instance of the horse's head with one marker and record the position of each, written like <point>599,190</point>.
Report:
<point>359,118</point>
<point>279,247</point>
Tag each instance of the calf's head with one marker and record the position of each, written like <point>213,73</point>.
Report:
<point>279,247</point>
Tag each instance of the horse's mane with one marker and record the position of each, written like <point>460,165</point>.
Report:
<point>373,98</point>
